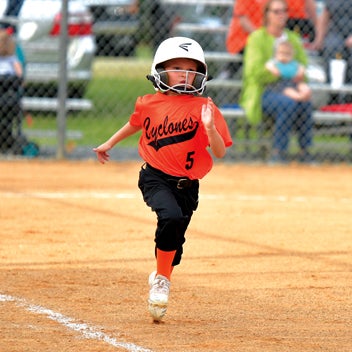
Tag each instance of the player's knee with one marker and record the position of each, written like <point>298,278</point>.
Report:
<point>170,233</point>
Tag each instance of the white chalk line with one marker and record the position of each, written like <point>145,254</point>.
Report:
<point>209,196</point>
<point>86,330</point>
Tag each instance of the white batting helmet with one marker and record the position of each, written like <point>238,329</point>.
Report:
<point>174,48</point>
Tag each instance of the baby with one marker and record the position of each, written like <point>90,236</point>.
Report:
<point>289,70</point>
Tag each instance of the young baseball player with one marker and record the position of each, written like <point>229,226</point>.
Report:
<point>177,127</point>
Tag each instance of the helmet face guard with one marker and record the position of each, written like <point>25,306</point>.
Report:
<point>174,48</point>
<point>196,87</point>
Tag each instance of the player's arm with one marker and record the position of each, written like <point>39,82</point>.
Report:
<point>216,142</point>
<point>124,132</point>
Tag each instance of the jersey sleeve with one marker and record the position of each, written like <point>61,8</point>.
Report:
<point>135,118</point>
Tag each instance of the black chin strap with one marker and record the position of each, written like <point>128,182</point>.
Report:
<point>152,79</point>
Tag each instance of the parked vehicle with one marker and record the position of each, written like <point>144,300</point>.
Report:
<point>206,21</point>
<point>115,27</point>
<point>38,33</point>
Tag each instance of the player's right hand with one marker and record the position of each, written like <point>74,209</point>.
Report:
<point>101,153</point>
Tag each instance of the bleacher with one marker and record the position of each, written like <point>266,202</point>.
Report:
<point>328,123</point>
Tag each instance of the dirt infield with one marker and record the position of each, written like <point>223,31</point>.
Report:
<point>267,263</point>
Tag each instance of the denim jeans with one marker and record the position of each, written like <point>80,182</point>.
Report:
<point>288,115</point>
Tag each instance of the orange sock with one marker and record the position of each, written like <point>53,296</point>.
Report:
<point>164,262</point>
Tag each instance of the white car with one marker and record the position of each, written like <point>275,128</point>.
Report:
<point>115,26</point>
<point>38,34</point>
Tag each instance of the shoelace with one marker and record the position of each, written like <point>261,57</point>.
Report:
<point>161,285</point>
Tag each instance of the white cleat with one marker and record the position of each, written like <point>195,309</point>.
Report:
<point>158,295</point>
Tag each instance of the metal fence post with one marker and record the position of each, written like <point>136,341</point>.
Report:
<point>62,108</point>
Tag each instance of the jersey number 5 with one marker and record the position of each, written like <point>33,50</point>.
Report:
<point>189,160</point>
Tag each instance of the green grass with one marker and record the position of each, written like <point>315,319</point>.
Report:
<point>116,84</point>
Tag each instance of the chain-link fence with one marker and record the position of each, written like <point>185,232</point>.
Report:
<point>109,53</point>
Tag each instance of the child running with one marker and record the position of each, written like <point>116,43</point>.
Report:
<point>177,127</point>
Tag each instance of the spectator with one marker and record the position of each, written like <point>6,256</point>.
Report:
<point>10,87</point>
<point>285,66</point>
<point>8,22</point>
<point>258,95</point>
<point>334,33</point>
<point>247,17</point>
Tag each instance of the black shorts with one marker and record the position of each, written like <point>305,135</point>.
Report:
<point>182,189</point>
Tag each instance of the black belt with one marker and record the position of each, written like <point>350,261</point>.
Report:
<point>181,182</point>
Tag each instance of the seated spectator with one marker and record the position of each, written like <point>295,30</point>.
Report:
<point>259,94</point>
<point>334,34</point>
<point>284,66</point>
<point>247,17</point>
<point>10,89</point>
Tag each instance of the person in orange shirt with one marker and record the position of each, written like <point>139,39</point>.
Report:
<point>247,17</point>
<point>178,126</point>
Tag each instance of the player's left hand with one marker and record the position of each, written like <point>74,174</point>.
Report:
<point>208,114</point>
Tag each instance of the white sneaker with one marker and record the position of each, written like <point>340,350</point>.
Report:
<point>158,295</point>
<point>151,278</point>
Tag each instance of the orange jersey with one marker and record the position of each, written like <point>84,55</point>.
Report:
<point>253,9</point>
<point>296,8</point>
<point>237,36</point>
<point>173,137</point>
